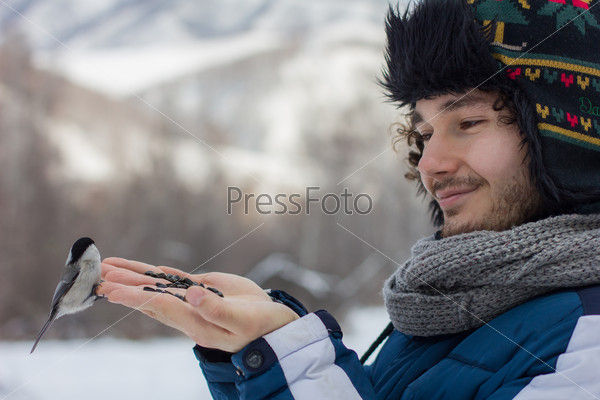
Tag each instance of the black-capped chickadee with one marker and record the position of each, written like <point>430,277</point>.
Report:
<point>76,290</point>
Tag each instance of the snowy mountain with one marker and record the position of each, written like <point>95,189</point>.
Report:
<point>248,75</point>
<point>122,46</point>
<point>118,23</point>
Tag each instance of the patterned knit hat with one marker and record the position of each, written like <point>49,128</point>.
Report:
<point>545,51</point>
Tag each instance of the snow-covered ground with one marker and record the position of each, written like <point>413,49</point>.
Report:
<point>108,368</point>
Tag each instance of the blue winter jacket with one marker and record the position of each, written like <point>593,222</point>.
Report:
<point>547,348</point>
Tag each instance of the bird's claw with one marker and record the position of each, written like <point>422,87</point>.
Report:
<point>95,288</point>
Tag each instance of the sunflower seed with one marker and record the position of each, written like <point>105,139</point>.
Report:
<point>180,297</point>
<point>215,291</point>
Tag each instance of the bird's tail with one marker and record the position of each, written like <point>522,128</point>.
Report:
<point>44,329</point>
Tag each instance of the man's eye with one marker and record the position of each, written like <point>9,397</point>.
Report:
<point>426,136</point>
<point>469,124</point>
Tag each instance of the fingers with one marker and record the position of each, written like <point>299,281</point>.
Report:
<point>230,284</point>
<point>162,307</point>
<point>227,313</point>
<point>106,268</point>
<point>155,304</point>
<point>129,278</point>
<point>131,265</point>
<point>194,295</point>
<point>130,272</point>
<point>139,299</point>
<point>139,267</point>
<point>170,311</point>
<point>113,290</point>
<point>211,307</point>
<point>108,289</point>
<point>173,271</point>
<point>236,320</point>
<point>226,323</point>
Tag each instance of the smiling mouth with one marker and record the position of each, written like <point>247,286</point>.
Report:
<point>449,198</point>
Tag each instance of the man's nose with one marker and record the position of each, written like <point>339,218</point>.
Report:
<point>440,156</point>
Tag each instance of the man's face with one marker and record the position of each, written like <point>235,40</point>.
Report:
<point>474,166</point>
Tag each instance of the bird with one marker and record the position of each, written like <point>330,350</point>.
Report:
<point>76,290</point>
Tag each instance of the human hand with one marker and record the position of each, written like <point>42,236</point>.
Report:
<point>244,314</point>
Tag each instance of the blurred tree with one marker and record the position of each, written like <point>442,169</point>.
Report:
<point>28,202</point>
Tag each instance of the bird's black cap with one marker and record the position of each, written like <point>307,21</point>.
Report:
<point>79,247</point>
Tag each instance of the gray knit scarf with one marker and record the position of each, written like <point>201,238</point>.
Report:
<point>464,281</point>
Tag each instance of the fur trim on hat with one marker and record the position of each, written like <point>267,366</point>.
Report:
<point>436,48</point>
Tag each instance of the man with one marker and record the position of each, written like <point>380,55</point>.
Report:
<point>500,303</point>
<point>475,167</point>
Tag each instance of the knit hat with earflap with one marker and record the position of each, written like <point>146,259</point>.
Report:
<point>544,53</point>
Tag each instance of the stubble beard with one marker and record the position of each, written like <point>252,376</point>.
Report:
<point>517,203</point>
